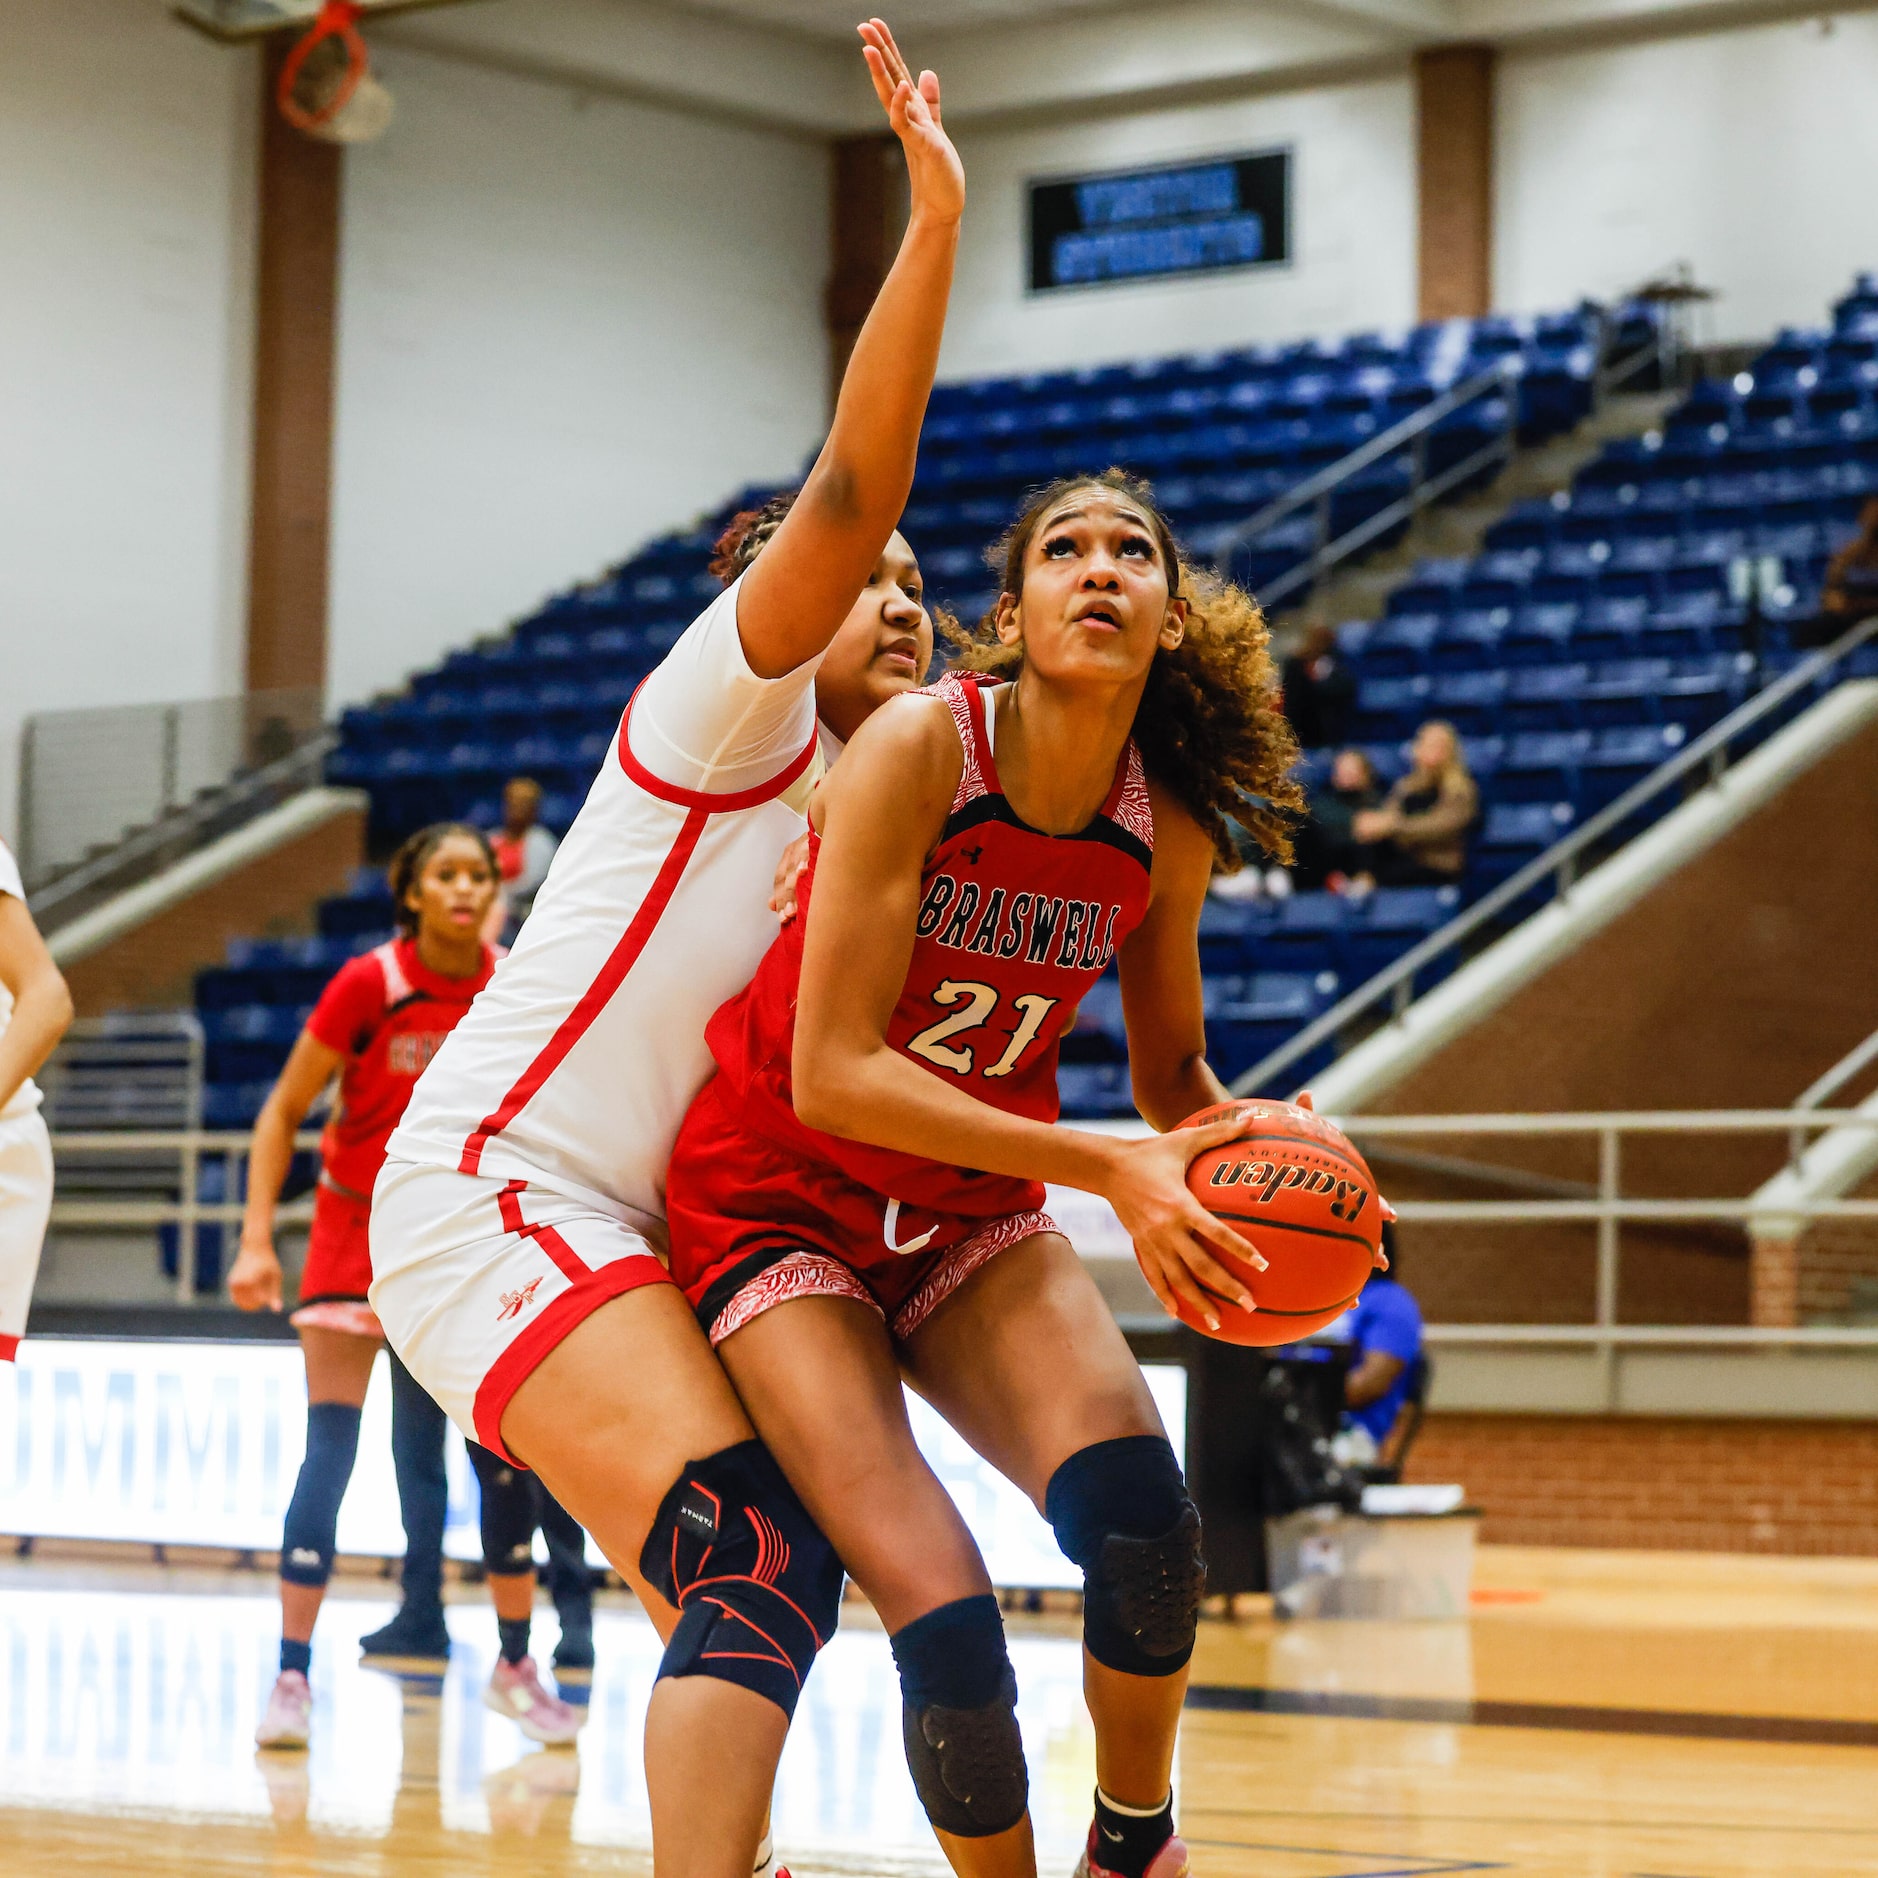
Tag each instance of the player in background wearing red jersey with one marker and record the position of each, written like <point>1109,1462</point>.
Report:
<point>983,851</point>
<point>376,1026</point>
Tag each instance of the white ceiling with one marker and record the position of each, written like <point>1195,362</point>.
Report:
<point>836,19</point>
<point>794,64</point>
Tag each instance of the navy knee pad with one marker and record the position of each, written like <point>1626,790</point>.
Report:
<point>757,1586</point>
<point>312,1524</point>
<point>1121,1511</point>
<point>959,1718</point>
<point>508,1513</point>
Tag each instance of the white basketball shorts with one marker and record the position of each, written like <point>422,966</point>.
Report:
<point>25,1203</point>
<point>477,1278</point>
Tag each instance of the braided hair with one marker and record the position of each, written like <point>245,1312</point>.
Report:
<point>413,856</point>
<point>748,533</point>
<point>1210,724</point>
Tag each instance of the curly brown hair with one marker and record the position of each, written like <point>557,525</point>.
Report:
<point>1210,725</point>
<point>747,533</point>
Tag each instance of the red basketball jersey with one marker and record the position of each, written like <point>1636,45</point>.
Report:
<point>387,1012</point>
<point>1014,927</point>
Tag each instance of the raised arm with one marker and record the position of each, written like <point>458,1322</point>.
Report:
<point>42,1006</point>
<point>799,591</point>
<point>881,809</point>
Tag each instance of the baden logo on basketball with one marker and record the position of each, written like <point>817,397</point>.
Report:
<point>1297,1190</point>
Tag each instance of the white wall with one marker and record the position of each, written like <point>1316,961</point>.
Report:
<point>1751,154</point>
<point>567,322</point>
<point>1353,233</point>
<point>125,349</point>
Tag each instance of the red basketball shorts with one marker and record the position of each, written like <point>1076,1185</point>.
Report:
<point>754,1224</point>
<point>338,1271</point>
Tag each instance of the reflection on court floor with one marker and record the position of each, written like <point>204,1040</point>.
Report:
<point>148,1699</point>
<point>1578,1727</point>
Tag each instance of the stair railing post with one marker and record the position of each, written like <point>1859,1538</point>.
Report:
<point>1607,1265</point>
<point>172,757</point>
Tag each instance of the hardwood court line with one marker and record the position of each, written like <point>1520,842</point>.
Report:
<point>1421,1869</point>
<point>1805,1730</point>
<point>1191,1808</point>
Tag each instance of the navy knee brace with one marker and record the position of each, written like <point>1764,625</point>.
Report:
<point>312,1524</point>
<point>508,1513</point>
<point>959,1718</point>
<point>1120,1510</point>
<point>757,1586</point>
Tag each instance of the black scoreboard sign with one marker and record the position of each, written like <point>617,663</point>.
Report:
<point>1186,218</point>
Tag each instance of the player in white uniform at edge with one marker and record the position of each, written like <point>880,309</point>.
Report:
<point>35,1008</point>
<point>518,1221</point>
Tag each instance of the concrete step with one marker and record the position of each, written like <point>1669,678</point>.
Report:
<point>1451,530</point>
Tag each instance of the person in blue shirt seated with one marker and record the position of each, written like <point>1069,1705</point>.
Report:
<point>1384,1331</point>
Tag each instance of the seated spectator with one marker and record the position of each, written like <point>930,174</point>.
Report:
<point>1329,854</point>
<point>1319,689</point>
<point>1851,591</point>
<point>522,847</point>
<point>1419,835</point>
<point>1384,1331</point>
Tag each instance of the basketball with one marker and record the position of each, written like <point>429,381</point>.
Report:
<point>1301,1193</point>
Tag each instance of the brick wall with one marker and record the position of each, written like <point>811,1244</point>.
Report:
<point>153,966</point>
<point>1733,983</point>
<point>1685,1485</point>
<point>1833,1255</point>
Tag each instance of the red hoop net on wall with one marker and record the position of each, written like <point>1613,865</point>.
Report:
<point>326,87</point>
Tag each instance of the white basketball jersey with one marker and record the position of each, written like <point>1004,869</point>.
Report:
<point>578,1060</point>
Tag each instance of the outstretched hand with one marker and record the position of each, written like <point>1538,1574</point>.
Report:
<point>1171,1230</point>
<point>912,107</point>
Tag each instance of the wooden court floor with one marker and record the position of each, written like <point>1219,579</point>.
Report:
<point>1636,1715</point>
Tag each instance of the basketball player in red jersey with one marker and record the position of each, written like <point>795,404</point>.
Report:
<point>376,1026</point>
<point>982,853</point>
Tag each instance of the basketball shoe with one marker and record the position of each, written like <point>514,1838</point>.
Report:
<point>515,1691</point>
<point>416,1635</point>
<point>289,1715</point>
<point>1169,1862</point>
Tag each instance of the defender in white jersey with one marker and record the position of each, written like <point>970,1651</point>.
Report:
<point>35,1008</point>
<point>516,1225</point>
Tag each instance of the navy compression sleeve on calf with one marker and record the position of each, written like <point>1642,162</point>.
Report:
<point>312,1525</point>
<point>758,1586</point>
<point>508,1513</point>
<point>417,1438</point>
<point>1120,1510</point>
<point>959,1718</point>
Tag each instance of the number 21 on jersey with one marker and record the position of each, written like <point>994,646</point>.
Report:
<point>976,1004</point>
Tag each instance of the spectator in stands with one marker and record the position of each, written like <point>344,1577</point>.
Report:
<point>522,847</point>
<point>1384,1331</point>
<point>1420,833</point>
<point>1851,592</point>
<point>1329,854</point>
<point>1319,689</point>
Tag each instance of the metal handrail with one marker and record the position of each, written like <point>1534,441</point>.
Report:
<point>1563,858</point>
<point>190,1146</point>
<point>1409,434</point>
<point>186,825</point>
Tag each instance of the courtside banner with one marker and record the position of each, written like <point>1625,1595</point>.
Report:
<point>199,1444</point>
